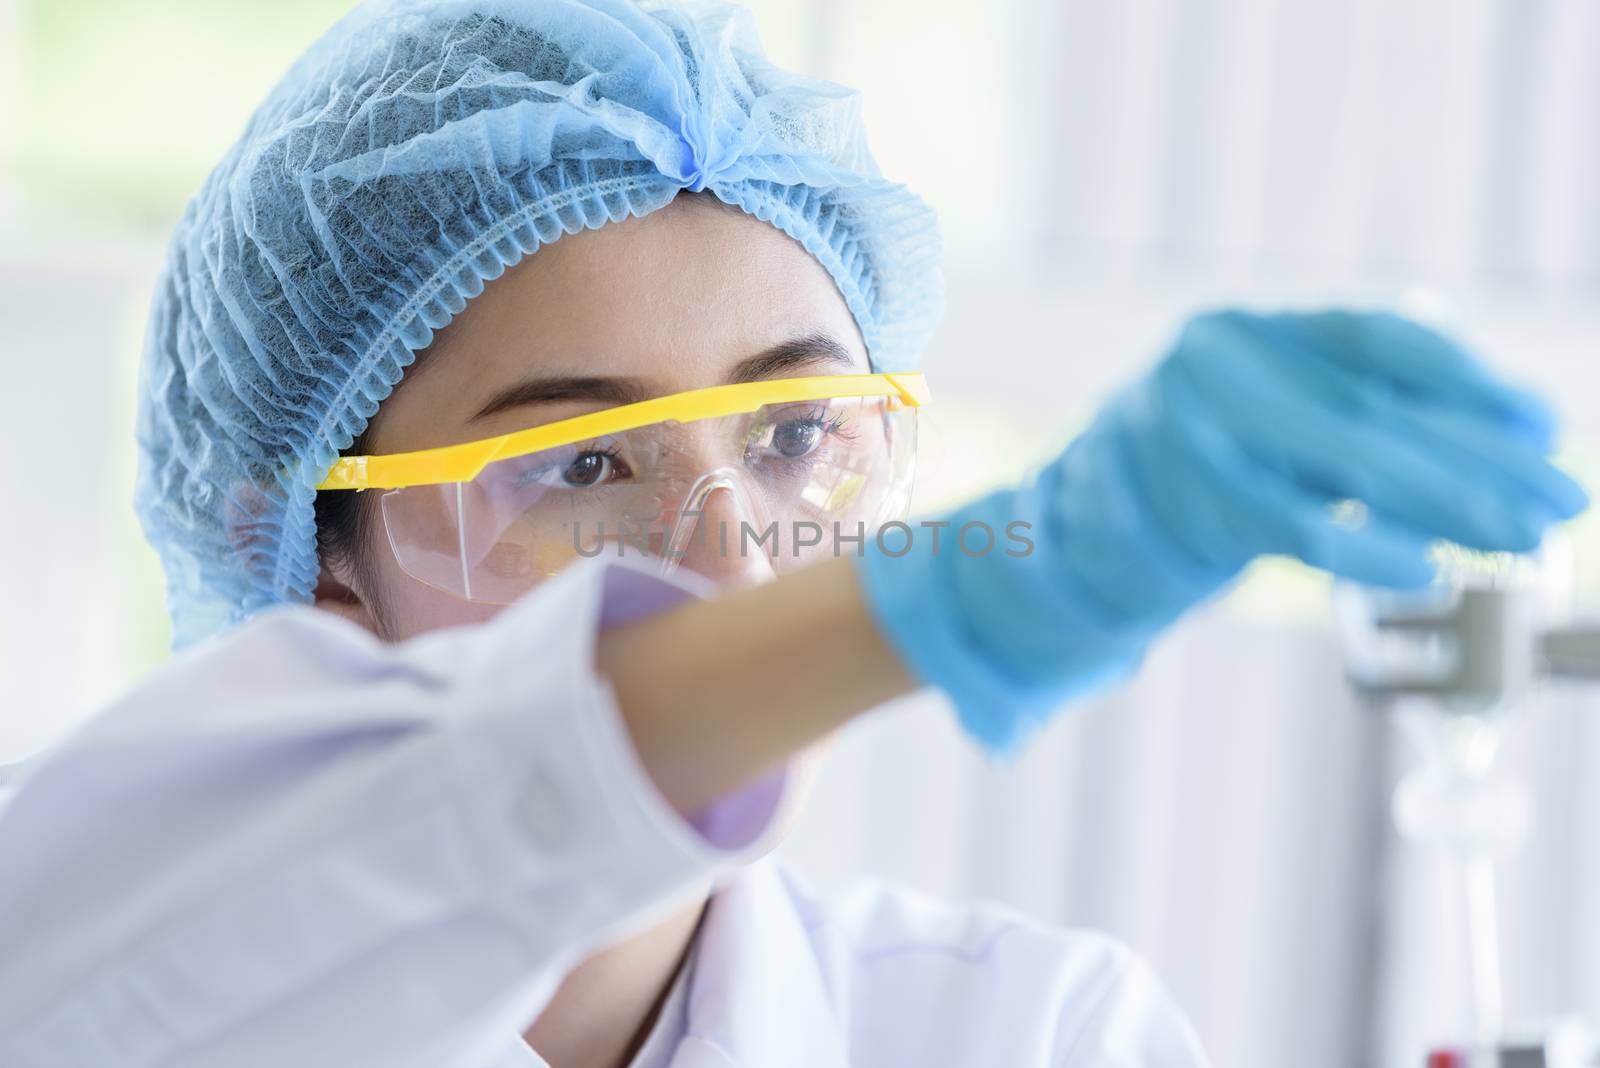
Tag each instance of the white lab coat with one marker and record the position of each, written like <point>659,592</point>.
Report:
<point>298,845</point>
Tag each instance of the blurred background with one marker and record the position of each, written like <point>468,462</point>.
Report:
<point>1102,168</point>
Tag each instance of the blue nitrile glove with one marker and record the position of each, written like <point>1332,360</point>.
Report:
<point>1236,445</point>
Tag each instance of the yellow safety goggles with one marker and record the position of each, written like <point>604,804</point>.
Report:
<point>757,475</point>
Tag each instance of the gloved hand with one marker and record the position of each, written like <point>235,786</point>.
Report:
<point>1238,444</point>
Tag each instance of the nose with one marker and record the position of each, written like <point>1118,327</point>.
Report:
<point>718,536</point>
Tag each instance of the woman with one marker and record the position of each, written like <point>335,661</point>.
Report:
<point>475,719</point>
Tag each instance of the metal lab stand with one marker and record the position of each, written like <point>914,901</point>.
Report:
<point>1466,654</point>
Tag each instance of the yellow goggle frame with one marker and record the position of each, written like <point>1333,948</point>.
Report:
<point>464,462</point>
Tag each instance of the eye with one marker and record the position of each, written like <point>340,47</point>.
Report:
<point>591,467</point>
<point>802,440</point>
<point>797,437</point>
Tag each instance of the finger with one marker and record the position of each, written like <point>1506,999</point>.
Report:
<point>1367,380</point>
<point>1419,360</point>
<point>1334,456</point>
<point>1469,443</point>
<point>1237,505</point>
<point>1440,449</point>
<point>1473,444</point>
<point>1374,550</point>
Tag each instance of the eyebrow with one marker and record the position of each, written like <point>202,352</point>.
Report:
<point>806,351</point>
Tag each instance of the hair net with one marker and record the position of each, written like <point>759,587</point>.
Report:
<point>413,154</point>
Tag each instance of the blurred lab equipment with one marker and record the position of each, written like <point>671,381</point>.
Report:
<point>1455,663</point>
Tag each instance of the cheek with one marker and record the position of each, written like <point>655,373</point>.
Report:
<point>411,607</point>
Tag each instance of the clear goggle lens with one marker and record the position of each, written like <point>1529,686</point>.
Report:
<point>771,488</point>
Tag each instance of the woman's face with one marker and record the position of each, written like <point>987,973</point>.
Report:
<point>696,294</point>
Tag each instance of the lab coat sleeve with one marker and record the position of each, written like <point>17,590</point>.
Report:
<point>298,845</point>
<point>1120,1015</point>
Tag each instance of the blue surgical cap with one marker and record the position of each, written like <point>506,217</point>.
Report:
<point>412,155</point>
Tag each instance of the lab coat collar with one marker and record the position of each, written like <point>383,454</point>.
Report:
<point>757,998</point>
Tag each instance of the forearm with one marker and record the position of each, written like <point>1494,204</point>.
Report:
<point>449,823</point>
<point>721,690</point>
